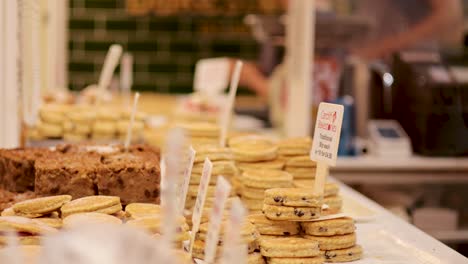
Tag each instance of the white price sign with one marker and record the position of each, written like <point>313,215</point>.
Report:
<point>186,178</point>
<point>223,188</point>
<point>326,139</point>
<point>234,251</point>
<point>200,202</point>
<point>327,133</point>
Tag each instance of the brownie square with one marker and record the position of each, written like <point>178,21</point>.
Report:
<point>134,176</point>
<point>17,168</point>
<point>71,173</point>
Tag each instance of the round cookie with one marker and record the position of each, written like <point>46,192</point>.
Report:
<point>114,209</point>
<point>104,127</point>
<point>266,165</point>
<point>138,210</point>
<point>195,179</point>
<point>302,173</point>
<point>344,255</point>
<point>292,197</point>
<point>90,204</point>
<point>248,231</point>
<point>288,247</point>
<point>225,168</point>
<point>249,139</point>
<point>107,114</point>
<point>81,117</point>
<point>266,178</point>
<point>79,219</point>
<point>153,225</point>
<point>274,212</point>
<point>25,225</point>
<point>52,114</point>
<point>72,137</point>
<point>311,260</point>
<point>41,206</point>
<point>10,212</point>
<point>301,162</point>
<point>334,242</point>
<point>266,226</point>
<point>52,222</point>
<point>299,146</point>
<point>50,130</point>
<point>254,152</point>
<point>331,227</point>
<point>253,193</point>
<point>214,153</point>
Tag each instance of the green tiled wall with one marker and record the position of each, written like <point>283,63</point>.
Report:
<point>165,49</point>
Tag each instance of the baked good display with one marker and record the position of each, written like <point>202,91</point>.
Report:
<point>82,122</point>
<point>30,229</point>
<point>78,219</point>
<point>223,165</point>
<point>84,170</point>
<point>139,210</point>
<point>99,204</point>
<point>248,232</point>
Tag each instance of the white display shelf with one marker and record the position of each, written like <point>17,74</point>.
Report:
<point>396,163</point>
<point>412,170</point>
<point>388,239</point>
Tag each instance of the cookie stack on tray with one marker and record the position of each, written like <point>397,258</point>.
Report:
<point>336,238</point>
<point>332,200</point>
<point>256,182</point>
<point>249,235</point>
<point>295,153</point>
<point>222,166</point>
<point>52,119</point>
<point>78,126</point>
<point>201,133</point>
<point>256,158</point>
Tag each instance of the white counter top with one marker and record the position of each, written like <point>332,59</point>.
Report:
<point>388,239</point>
<point>412,163</point>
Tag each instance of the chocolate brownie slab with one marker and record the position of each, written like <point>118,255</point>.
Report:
<point>73,174</point>
<point>17,167</point>
<point>134,176</point>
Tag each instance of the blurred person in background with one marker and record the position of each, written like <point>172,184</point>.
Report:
<point>395,25</point>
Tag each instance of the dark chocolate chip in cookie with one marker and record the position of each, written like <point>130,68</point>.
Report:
<point>298,212</point>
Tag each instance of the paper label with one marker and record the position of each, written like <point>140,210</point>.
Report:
<point>200,202</point>
<point>211,76</point>
<point>186,178</point>
<point>234,251</point>
<point>223,188</point>
<point>327,133</point>
<point>173,175</point>
<point>227,112</point>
